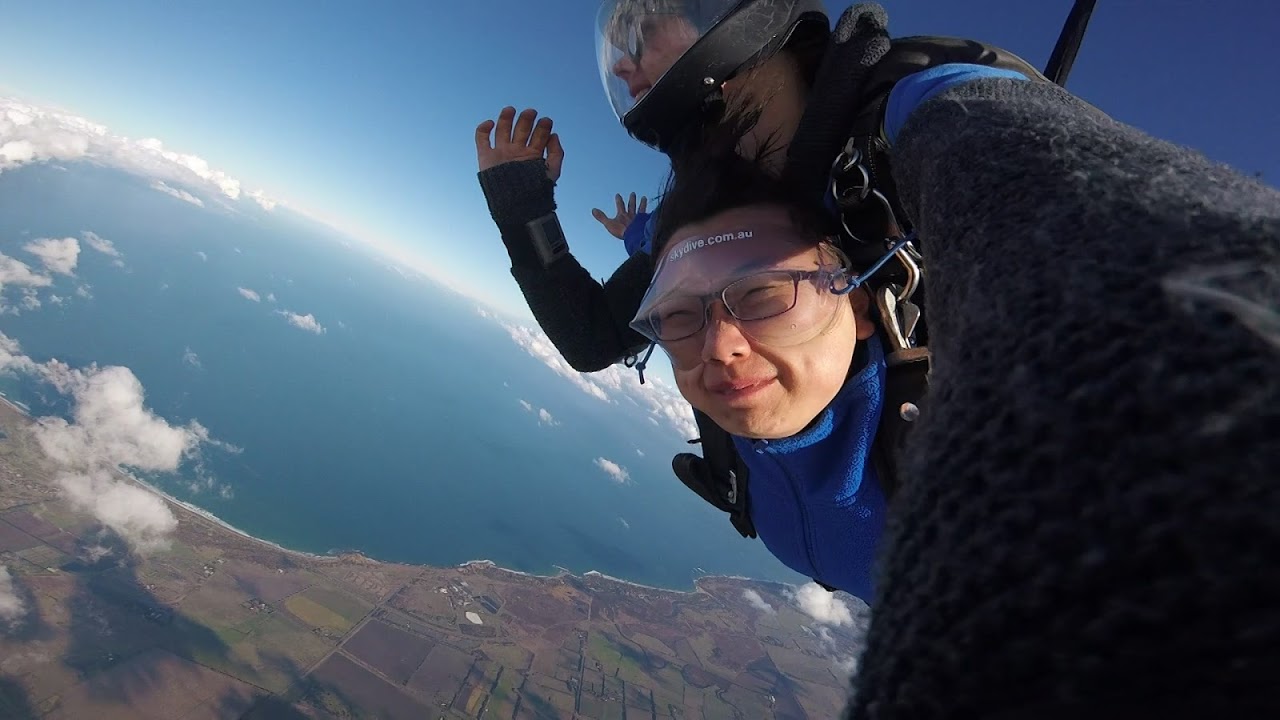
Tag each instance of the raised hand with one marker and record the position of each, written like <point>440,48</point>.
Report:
<point>519,139</point>
<point>617,225</point>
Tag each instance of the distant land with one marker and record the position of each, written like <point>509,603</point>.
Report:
<point>220,625</point>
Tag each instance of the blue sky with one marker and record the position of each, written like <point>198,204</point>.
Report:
<point>363,113</point>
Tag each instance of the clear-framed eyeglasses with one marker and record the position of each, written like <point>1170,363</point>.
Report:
<point>770,306</point>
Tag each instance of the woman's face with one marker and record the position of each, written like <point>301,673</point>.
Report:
<point>758,378</point>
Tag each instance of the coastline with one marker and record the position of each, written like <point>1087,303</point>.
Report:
<point>336,555</point>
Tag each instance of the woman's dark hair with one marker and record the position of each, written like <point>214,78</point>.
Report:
<point>715,177</point>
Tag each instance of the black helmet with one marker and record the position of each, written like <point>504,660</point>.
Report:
<point>693,47</point>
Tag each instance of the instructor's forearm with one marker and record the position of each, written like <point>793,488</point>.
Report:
<point>1093,484</point>
<point>586,322</point>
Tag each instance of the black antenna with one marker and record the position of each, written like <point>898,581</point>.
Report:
<point>1064,53</point>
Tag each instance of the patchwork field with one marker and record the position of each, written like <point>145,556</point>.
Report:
<point>218,625</point>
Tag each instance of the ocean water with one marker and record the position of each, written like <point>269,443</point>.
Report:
<point>398,432</point>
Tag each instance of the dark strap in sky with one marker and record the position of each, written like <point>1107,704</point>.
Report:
<point>1064,53</point>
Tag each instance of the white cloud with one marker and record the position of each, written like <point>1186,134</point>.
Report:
<point>57,255</point>
<point>140,517</point>
<point>248,294</point>
<point>544,418</point>
<point>30,301</point>
<point>101,244</point>
<point>526,405</point>
<point>179,193</point>
<point>16,272</point>
<point>639,452</point>
<point>261,198</point>
<point>660,401</point>
<point>616,472</point>
<point>57,299</point>
<point>83,291</point>
<point>271,297</point>
<point>758,602</point>
<point>11,357</point>
<point>626,525</point>
<point>11,606</point>
<point>203,257</point>
<point>110,428</point>
<point>189,357</point>
<point>36,134</point>
<point>824,607</point>
<point>306,322</point>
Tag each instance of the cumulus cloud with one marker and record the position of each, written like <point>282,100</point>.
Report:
<point>57,255</point>
<point>753,598</point>
<point>829,611</point>
<point>824,607</point>
<point>625,525</point>
<point>616,472</point>
<point>306,322</point>
<point>110,428</point>
<point>100,244</point>
<point>261,198</point>
<point>11,606</point>
<point>16,272</point>
<point>526,405</point>
<point>183,195</point>
<point>202,255</point>
<point>271,297</point>
<point>12,359</point>
<point>190,358</point>
<point>544,418</point>
<point>661,402</point>
<point>29,133</point>
<point>248,294</point>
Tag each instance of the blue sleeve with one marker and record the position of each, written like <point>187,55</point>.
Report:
<point>639,234</point>
<point>914,89</point>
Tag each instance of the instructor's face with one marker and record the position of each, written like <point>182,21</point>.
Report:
<point>656,42</point>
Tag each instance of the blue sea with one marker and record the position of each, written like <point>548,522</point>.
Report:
<point>399,431</point>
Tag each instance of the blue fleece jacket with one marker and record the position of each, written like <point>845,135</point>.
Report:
<point>814,497</point>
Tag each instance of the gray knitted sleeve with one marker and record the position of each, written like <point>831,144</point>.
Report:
<point>1090,516</point>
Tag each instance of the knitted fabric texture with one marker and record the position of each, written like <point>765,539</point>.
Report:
<point>1089,519</point>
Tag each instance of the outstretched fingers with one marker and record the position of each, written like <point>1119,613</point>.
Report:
<point>524,127</point>
<point>483,130</point>
<point>505,118</point>
<point>555,157</point>
<point>541,133</point>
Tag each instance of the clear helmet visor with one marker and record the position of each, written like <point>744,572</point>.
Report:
<point>638,41</point>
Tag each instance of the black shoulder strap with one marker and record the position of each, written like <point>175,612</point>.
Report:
<point>719,476</point>
<point>1064,52</point>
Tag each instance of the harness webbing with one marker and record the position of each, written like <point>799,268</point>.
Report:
<point>1064,52</point>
